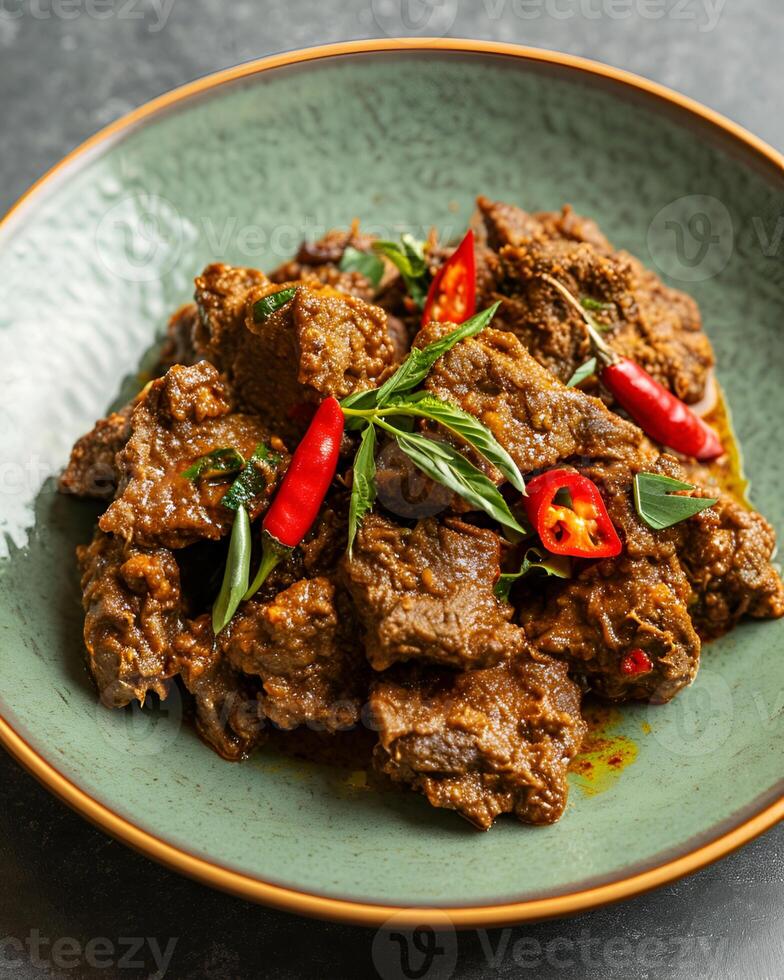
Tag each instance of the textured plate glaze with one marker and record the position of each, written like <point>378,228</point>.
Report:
<point>239,170</point>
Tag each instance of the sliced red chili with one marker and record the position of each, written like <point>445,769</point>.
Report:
<point>636,661</point>
<point>452,294</point>
<point>579,525</point>
<point>297,502</point>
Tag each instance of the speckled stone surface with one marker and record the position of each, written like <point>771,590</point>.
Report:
<point>64,879</point>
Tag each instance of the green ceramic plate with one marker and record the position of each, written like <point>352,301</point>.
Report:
<point>239,168</point>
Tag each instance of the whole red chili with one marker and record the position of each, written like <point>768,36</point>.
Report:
<point>452,294</point>
<point>653,407</point>
<point>636,661</point>
<point>297,502</point>
<point>580,525</point>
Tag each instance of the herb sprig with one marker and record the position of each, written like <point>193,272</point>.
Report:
<point>660,506</point>
<point>388,407</point>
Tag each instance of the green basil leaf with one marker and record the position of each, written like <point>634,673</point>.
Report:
<point>363,487</point>
<point>534,559</point>
<point>465,426</point>
<point>236,574</point>
<point>444,464</point>
<point>252,481</point>
<point>409,259</point>
<point>266,306</point>
<point>220,462</point>
<point>419,361</point>
<point>596,305</point>
<point>659,506</point>
<point>368,264</point>
<point>583,371</point>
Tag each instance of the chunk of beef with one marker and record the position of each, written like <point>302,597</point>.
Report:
<point>483,742</point>
<point>550,329</point>
<point>228,713</point>
<point>92,468</point>
<point>654,325</point>
<point>319,261</point>
<point>221,292</point>
<point>660,328</point>
<point>404,490</point>
<point>427,593</point>
<point>537,419</point>
<point>497,224</point>
<point>184,415</point>
<point>727,552</point>
<point>611,608</point>
<point>321,343</point>
<point>327,250</point>
<point>640,600</point>
<point>132,606</point>
<point>179,347</point>
<point>566,224</point>
<point>303,645</point>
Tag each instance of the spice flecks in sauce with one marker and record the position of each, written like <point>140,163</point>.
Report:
<point>604,754</point>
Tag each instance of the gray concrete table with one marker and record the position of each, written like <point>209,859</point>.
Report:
<point>81,904</point>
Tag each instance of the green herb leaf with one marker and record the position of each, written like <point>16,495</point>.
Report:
<point>409,259</point>
<point>235,577</point>
<point>583,371</point>
<point>368,264</point>
<point>596,305</point>
<point>361,401</point>
<point>534,559</point>
<point>465,426</point>
<point>444,464</point>
<point>659,506</point>
<point>219,463</point>
<point>363,487</point>
<point>266,306</point>
<point>252,481</point>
